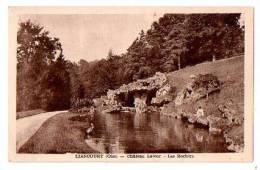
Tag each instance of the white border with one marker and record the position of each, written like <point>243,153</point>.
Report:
<point>4,164</point>
<point>246,155</point>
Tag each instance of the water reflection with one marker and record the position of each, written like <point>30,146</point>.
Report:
<point>150,133</point>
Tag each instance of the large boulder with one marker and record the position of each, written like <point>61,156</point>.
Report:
<point>163,95</point>
<point>200,86</point>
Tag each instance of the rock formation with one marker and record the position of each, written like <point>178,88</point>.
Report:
<point>139,94</point>
<point>163,95</point>
<point>199,87</point>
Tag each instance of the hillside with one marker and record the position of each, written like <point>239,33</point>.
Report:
<point>229,71</point>
<point>228,102</point>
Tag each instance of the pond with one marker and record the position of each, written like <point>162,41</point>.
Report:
<point>150,133</point>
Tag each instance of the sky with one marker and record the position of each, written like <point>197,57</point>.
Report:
<point>91,36</point>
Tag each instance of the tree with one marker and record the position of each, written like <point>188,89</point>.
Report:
<point>42,77</point>
<point>56,91</point>
<point>76,73</point>
<point>213,35</point>
<point>35,51</point>
<point>176,45</point>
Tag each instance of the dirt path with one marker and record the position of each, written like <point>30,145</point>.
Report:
<point>26,127</point>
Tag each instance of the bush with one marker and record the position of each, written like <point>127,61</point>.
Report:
<point>80,103</point>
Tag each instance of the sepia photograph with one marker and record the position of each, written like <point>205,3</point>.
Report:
<point>134,83</point>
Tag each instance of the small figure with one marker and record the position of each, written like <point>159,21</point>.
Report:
<point>200,112</point>
<point>90,129</point>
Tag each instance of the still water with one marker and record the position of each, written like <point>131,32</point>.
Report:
<point>150,133</point>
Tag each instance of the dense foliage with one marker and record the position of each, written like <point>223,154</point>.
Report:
<point>42,77</point>
<point>175,41</point>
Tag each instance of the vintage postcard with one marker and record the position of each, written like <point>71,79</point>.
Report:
<point>131,84</point>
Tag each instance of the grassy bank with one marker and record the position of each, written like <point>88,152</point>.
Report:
<point>59,134</point>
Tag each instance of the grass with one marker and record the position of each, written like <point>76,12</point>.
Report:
<point>23,114</point>
<point>229,71</point>
<point>232,67</point>
<point>59,134</point>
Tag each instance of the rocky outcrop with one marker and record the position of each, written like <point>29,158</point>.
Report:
<point>140,94</point>
<point>163,95</point>
<point>200,86</point>
<point>231,114</point>
<point>234,129</point>
<point>234,137</point>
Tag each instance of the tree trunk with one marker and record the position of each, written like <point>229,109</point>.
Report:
<point>179,63</point>
<point>213,58</point>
